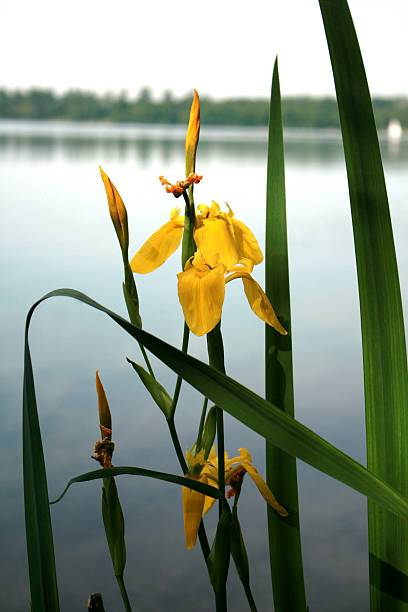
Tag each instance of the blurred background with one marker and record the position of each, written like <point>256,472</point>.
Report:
<point>90,83</point>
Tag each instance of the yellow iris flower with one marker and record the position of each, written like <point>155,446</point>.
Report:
<point>225,246</point>
<point>196,505</point>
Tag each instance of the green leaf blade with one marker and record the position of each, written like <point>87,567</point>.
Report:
<point>40,546</point>
<point>114,525</point>
<point>105,473</point>
<point>382,323</point>
<point>156,390</point>
<point>284,535</point>
<point>256,413</point>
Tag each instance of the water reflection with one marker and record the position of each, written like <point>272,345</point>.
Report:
<point>56,232</point>
<point>82,142</point>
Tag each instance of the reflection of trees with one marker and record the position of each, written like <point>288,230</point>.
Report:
<point>75,142</point>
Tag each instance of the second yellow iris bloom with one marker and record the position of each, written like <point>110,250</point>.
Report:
<point>196,505</point>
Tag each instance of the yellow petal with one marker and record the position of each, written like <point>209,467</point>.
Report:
<point>193,503</point>
<point>195,461</point>
<point>117,211</point>
<point>193,133</point>
<point>263,487</point>
<point>209,501</point>
<point>201,293</point>
<point>158,248</point>
<point>248,247</point>
<point>216,235</point>
<point>260,304</point>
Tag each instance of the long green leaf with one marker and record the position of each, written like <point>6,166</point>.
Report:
<point>382,324</point>
<point>196,485</point>
<point>256,413</point>
<point>284,536</point>
<point>40,547</point>
<point>114,525</point>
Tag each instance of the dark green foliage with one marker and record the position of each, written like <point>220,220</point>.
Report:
<point>284,534</point>
<point>249,408</point>
<point>382,322</point>
<point>40,545</point>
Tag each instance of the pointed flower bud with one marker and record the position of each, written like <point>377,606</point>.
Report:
<point>117,212</point>
<point>103,448</point>
<point>105,419</point>
<point>193,134</point>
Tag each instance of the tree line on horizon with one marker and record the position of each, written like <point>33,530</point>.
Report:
<point>77,105</point>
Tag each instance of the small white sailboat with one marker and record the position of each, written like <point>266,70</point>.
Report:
<point>394,130</point>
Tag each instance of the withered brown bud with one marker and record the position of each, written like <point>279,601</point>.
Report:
<point>103,452</point>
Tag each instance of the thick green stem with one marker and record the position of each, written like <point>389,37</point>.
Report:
<point>215,348</point>
<point>221,600</point>
<point>124,594</point>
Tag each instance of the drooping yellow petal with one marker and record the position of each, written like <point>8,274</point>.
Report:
<point>117,211</point>
<point>216,235</point>
<point>105,420</point>
<point>193,503</point>
<point>260,304</point>
<point>193,133</point>
<point>158,248</point>
<point>248,247</point>
<point>201,291</point>
<point>261,484</point>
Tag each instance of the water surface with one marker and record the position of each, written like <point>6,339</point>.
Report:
<point>56,232</point>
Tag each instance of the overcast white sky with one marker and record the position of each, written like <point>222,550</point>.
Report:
<point>222,48</point>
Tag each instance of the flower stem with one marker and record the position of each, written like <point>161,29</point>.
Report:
<point>202,536</point>
<point>188,244</point>
<point>124,594</point>
<point>202,421</point>
<point>221,600</point>
<point>132,304</point>
<point>146,358</point>
<point>177,446</point>
<point>184,347</point>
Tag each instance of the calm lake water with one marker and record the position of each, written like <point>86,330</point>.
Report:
<point>56,232</point>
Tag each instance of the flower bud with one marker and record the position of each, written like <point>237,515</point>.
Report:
<point>117,212</point>
<point>105,419</point>
<point>193,134</point>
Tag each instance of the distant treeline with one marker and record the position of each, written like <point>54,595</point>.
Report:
<point>84,106</point>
